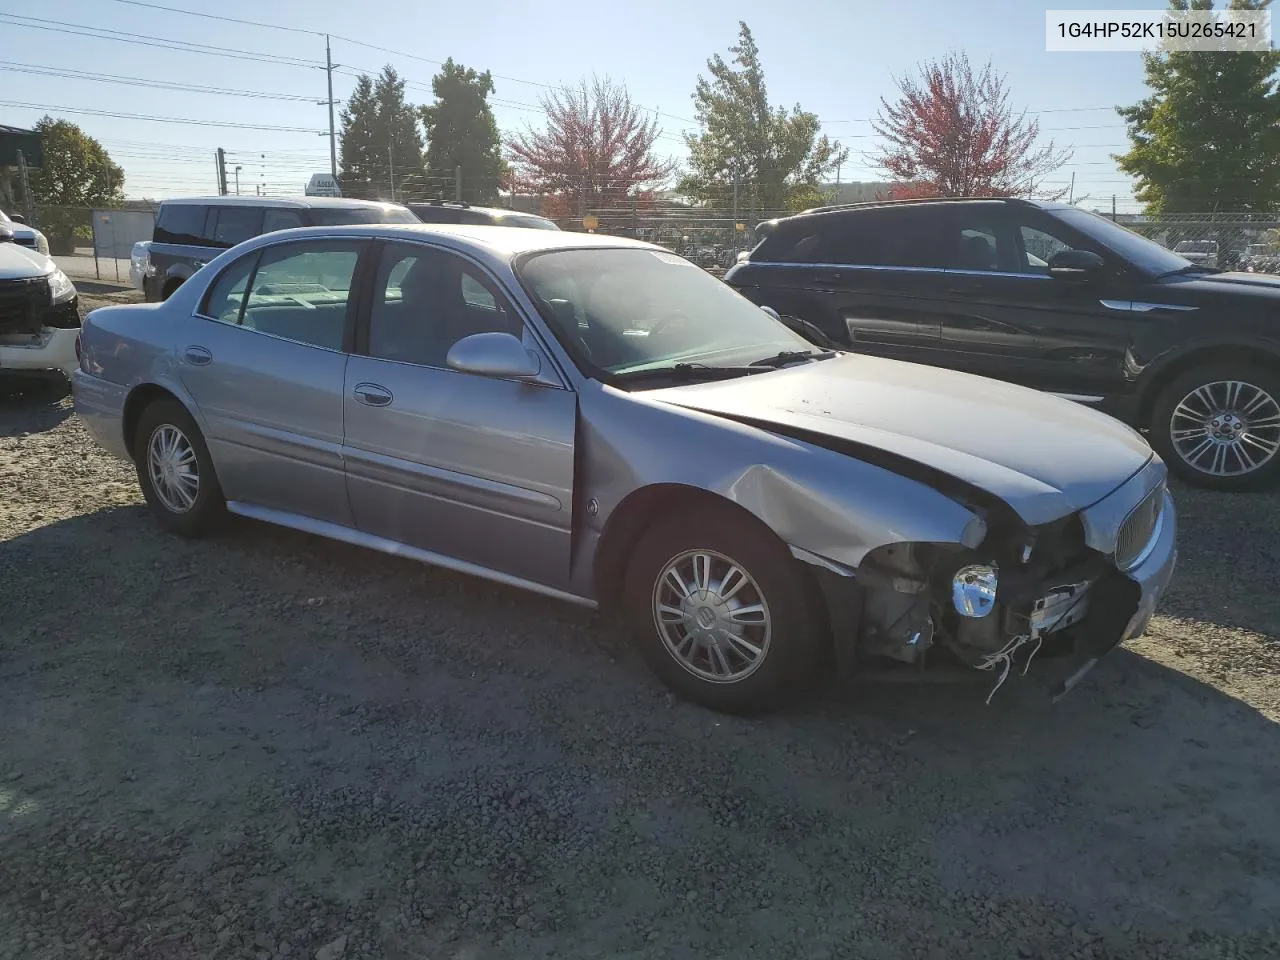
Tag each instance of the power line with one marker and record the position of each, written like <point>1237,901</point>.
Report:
<point>224,19</point>
<point>164,43</point>
<point>143,82</point>
<point>138,116</point>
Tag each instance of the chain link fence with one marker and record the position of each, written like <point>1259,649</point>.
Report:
<point>1228,241</point>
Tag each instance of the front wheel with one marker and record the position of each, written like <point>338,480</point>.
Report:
<point>1218,426</point>
<point>721,611</point>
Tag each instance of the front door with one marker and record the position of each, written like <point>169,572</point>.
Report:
<point>470,467</point>
<point>266,371</point>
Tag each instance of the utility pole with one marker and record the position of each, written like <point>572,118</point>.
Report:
<point>1071,196</point>
<point>333,142</point>
<point>457,183</point>
<point>237,180</point>
<point>1113,208</point>
<point>222,172</point>
<point>735,209</point>
<point>26,187</point>
<point>391,169</point>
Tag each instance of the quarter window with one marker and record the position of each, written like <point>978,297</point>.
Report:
<point>225,298</point>
<point>182,224</point>
<point>425,301</point>
<point>301,292</point>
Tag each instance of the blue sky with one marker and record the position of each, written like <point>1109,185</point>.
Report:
<point>834,57</point>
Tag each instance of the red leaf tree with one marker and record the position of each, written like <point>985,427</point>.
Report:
<point>952,133</point>
<point>595,150</point>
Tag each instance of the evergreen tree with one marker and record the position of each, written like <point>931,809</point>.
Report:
<point>461,132</point>
<point>381,155</point>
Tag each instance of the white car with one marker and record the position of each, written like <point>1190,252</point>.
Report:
<point>39,313</point>
<point>23,235</point>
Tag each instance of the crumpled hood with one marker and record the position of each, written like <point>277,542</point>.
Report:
<point>20,263</point>
<point>1044,456</point>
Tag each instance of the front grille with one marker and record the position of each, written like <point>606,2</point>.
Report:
<point>1139,528</point>
<point>22,304</point>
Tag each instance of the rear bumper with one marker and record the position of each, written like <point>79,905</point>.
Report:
<point>49,350</point>
<point>100,406</point>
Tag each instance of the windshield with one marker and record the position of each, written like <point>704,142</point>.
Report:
<point>349,216</point>
<point>1145,254</point>
<point>621,310</point>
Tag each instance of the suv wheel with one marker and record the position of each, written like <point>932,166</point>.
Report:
<point>169,288</point>
<point>1218,426</point>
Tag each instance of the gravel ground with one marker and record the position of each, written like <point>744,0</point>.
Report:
<point>266,745</point>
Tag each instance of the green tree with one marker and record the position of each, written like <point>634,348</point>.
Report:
<point>774,156</point>
<point>77,175</point>
<point>381,156</point>
<point>1207,138</point>
<point>461,132</point>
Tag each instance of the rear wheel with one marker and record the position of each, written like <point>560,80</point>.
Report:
<point>175,470</point>
<point>169,287</point>
<point>1218,426</point>
<point>721,611</point>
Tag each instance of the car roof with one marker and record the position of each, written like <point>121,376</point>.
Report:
<point>342,203</point>
<point>846,208</point>
<point>501,243</point>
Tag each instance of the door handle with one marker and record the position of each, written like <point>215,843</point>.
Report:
<point>372,394</point>
<point>197,355</point>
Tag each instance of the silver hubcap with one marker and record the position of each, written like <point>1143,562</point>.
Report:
<point>172,466</point>
<point>711,616</point>
<point>1227,428</point>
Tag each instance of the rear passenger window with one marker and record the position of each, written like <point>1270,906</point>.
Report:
<point>301,291</point>
<point>274,220</point>
<point>181,223</point>
<point>236,225</point>
<point>885,237</point>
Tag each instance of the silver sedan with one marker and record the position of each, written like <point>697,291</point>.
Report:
<point>601,421</point>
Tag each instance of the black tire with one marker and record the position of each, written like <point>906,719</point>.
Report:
<point>169,288</point>
<point>208,503</point>
<point>1181,387</point>
<point>789,657</point>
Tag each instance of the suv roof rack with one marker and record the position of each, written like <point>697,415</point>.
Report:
<point>900,203</point>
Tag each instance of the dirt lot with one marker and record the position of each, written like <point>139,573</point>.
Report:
<point>266,745</point>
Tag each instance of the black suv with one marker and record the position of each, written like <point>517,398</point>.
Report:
<point>455,211</point>
<point>1048,296</point>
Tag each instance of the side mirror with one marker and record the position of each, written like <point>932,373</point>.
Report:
<point>6,233</point>
<point>1075,265</point>
<point>17,218</point>
<point>497,355</point>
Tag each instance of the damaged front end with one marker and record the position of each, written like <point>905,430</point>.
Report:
<point>1069,590</point>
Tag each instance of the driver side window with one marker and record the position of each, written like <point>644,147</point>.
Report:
<point>1037,248</point>
<point>426,300</point>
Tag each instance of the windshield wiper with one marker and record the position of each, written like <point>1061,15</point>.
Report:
<point>684,371</point>
<point>790,356</point>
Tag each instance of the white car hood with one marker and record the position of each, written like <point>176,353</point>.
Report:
<point>21,263</point>
<point>1044,456</point>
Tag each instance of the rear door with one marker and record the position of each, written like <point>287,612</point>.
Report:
<point>264,360</point>
<point>180,245</point>
<point>869,279</point>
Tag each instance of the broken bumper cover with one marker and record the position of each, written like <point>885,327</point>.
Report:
<point>1121,605</point>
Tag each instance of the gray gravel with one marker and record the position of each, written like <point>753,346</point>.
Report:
<point>266,745</point>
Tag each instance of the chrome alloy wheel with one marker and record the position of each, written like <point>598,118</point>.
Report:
<point>711,616</point>
<point>1227,428</point>
<point>173,469</point>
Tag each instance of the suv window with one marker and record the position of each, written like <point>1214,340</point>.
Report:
<point>425,301</point>
<point>976,236</point>
<point>277,219</point>
<point>1037,248</point>
<point>300,291</point>
<point>879,237</point>
<point>236,225</point>
<point>181,223</point>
